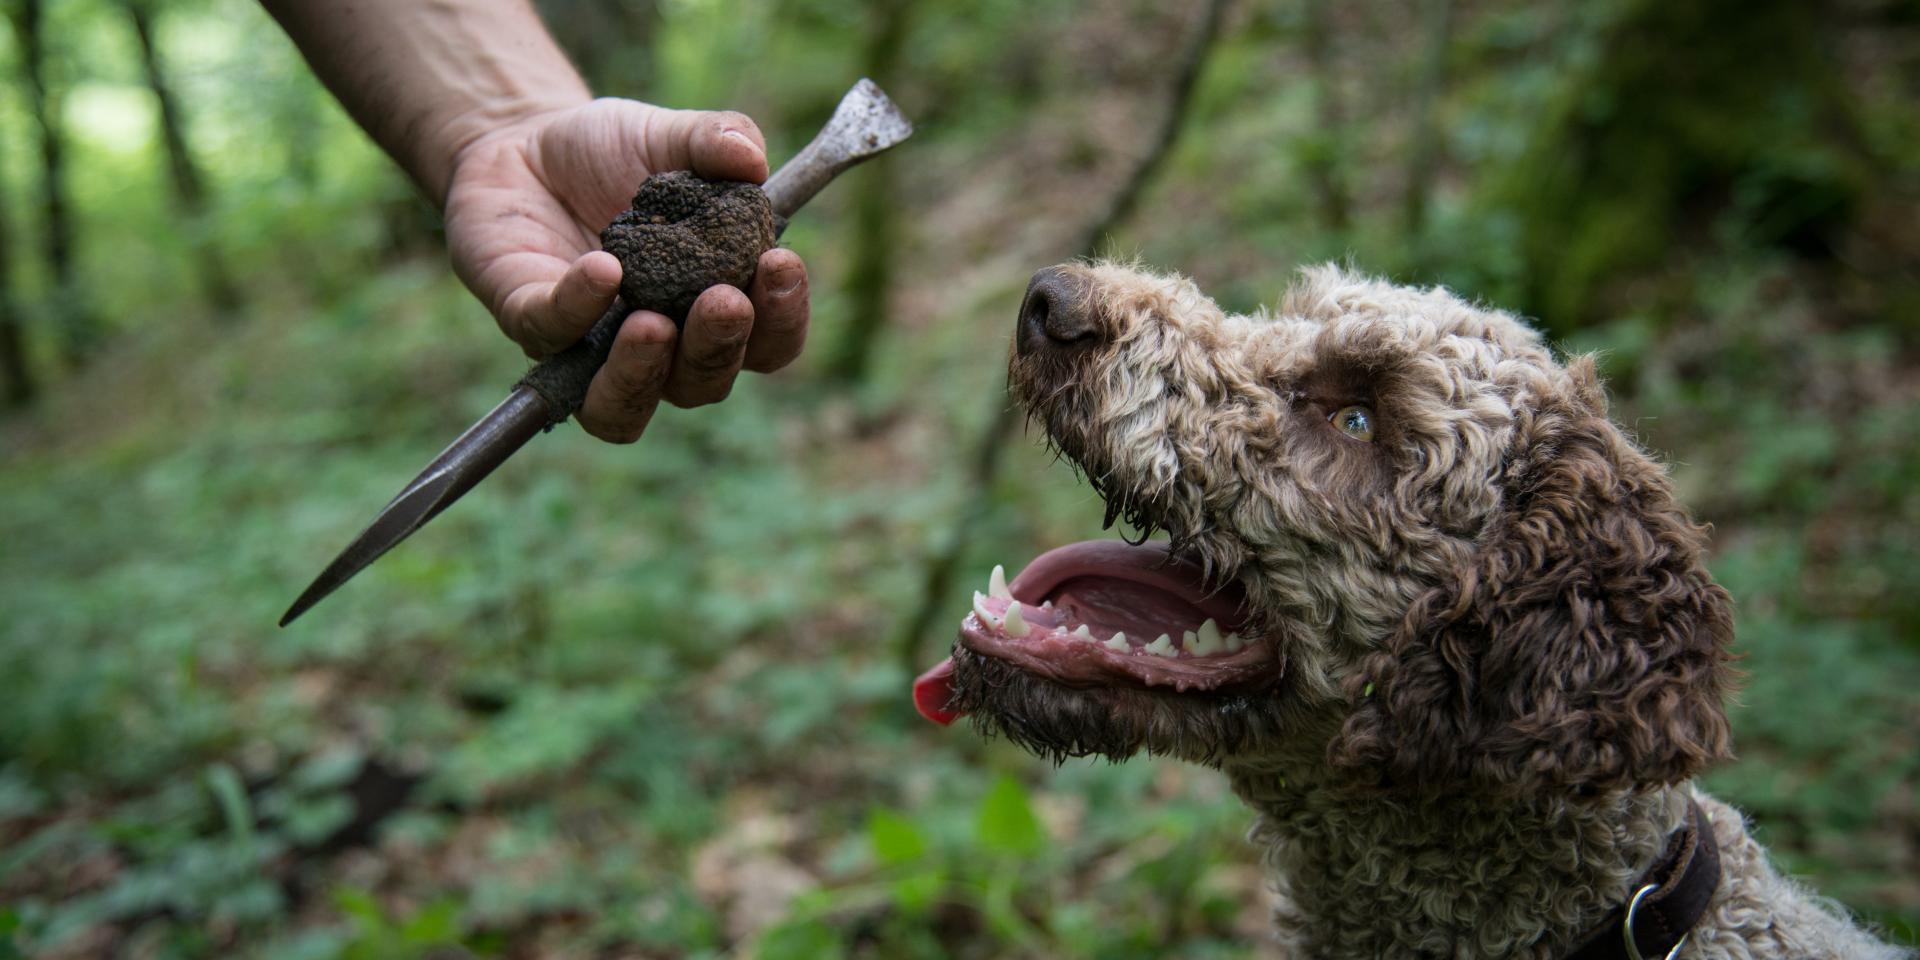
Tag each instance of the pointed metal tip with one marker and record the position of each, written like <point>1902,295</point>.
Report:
<point>464,463</point>
<point>426,496</point>
<point>308,598</point>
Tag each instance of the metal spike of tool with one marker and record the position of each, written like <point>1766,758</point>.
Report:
<point>865,124</point>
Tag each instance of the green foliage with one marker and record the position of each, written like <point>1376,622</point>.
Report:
<point>1004,870</point>
<point>1661,108</point>
<point>377,936</point>
<point>894,838</point>
<point>645,701</point>
<point>1007,825</point>
<point>9,926</point>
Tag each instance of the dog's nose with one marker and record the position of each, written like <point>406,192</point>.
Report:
<point>1058,311</point>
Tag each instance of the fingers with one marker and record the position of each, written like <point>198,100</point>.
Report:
<point>780,311</point>
<point>626,390</point>
<point>716,144</point>
<point>547,317</point>
<point>712,348</point>
<point>725,331</point>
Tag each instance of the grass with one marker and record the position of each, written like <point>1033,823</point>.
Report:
<point>647,701</point>
<point>636,695</point>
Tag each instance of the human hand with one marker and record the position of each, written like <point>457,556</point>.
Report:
<point>524,210</point>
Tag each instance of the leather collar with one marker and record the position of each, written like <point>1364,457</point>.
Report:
<point>1667,901</point>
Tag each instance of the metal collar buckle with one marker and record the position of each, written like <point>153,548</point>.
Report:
<point>1626,927</point>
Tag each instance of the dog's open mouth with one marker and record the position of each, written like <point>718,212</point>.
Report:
<point>1104,613</point>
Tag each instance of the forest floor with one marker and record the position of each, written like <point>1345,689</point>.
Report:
<point>653,701</point>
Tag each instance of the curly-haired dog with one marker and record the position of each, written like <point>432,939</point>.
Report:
<point>1438,619</point>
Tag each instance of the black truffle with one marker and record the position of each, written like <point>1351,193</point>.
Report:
<point>683,235</point>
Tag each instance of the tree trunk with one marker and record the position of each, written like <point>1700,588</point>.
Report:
<point>987,450</point>
<point>609,41</point>
<point>298,114</point>
<point>189,185</point>
<point>16,376</point>
<point>79,327</point>
<point>876,233</point>
<point>1423,153</point>
<point>1324,151</point>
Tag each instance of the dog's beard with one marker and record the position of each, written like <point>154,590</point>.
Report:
<point>1147,514</point>
<point>1058,721</point>
<point>1054,691</point>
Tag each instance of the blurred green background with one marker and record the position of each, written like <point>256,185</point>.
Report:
<point>652,701</point>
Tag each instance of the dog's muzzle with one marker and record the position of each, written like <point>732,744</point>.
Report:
<point>1058,315</point>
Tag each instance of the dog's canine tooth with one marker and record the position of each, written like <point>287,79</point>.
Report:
<point>997,583</point>
<point>1016,625</point>
<point>980,610</point>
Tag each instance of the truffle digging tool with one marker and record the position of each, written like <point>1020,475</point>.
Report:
<point>672,219</point>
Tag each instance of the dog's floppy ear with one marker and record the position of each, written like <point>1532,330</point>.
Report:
<point>1584,646</point>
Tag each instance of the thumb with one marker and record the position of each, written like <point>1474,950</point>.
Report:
<point>716,144</point>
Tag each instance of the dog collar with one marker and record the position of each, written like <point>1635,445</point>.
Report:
<point>1666,903</point>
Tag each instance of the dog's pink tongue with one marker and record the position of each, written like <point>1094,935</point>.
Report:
<point>931,692</point>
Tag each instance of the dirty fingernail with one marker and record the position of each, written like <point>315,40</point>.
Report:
<point>786,280</point>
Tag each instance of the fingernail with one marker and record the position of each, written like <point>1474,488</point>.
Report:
<point>743,138</point>
<point>786,280</point>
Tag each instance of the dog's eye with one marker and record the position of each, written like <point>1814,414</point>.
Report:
<point>1355,422</point>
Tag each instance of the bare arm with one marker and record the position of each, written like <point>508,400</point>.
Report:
<point>426,78</point>
<point>479,106</point>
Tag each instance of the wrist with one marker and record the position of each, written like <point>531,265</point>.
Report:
<point>497,69</point>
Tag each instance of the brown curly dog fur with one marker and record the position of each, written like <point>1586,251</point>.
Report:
<point>1442,623</point>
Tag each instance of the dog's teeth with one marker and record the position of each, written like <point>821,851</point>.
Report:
<point>1082,632</point>
<point>1187,642</point>
<point>1162,647</point>
<point>1207,642</point>
<point>980,610</point>
<point>1235,643</point>
<point>1119,642</point>
<point>1016,624</point>
<point>997,583</point>
<point>1046,604</point>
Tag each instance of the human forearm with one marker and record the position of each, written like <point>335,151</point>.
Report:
<point>426,78</point>
<point>476,102</point>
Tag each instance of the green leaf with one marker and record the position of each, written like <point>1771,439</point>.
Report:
<point>9,925</point>
<point>437,923</point>
<point>801,940</point>
<point>1006,823</point>
<point>360,905</point>
<point>231,794</point>
<point>914,892</point>
<point>895,839</point>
